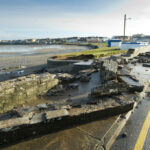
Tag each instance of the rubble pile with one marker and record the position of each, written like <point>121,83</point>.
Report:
<point>110,88</point>
<point>116,93</point>
<point>116,79</point>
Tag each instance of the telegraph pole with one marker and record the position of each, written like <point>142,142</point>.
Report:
<point>124,31</point>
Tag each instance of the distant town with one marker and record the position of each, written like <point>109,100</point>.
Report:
<point>134,38</point>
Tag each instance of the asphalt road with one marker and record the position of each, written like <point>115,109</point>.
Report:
<point>137,130</point>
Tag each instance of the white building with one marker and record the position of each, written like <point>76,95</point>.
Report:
<point>114,43</point>
<point>128,45</point>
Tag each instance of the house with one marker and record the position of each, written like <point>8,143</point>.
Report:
<point>114,43</point>
<point>141,38</point>
<point>82,40</point>
<point>125,38</point>
<point>72,40</point>
<point>129,45</point>
<point>93,39</point>
<point>103,39</point>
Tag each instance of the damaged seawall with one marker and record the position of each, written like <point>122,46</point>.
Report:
<point>18,91</point>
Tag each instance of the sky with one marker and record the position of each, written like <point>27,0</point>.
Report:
<point>21,19</point>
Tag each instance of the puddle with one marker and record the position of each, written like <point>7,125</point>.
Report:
<point>141,73</point>
<point>89,62</point>
<point>80,93</point>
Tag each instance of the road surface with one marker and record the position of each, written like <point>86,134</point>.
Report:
<point>137,130</point>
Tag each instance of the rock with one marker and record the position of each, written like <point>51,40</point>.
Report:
<point>69,100</point>
<point>143,59</point>
<point>28,112</point>
<point>44,118</point>
<point>136,88</point>
<point>109,88</point>
<point>146,65</point>
<point>36,118</point>
<point>124,134</point>
<point>16,92</point>
<point>67,107</point>
<point>133,84</point>
<point>10,114</point>
<point>87,72</point>
<point>123,116</point>
<point>66,77</point>
<point>77,105</point>
<point>108,70</point>
<point>85,78</point>
<point>120,67</point>
<point>73,86</point>
<point>58,90</point>
<point>133,78</point>
<point>42,106</point>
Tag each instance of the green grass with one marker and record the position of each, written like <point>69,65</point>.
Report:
<point>99,52</point>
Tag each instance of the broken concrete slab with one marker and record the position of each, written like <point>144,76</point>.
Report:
<point>133,85</point>
<point>58,90</point>
<point>54,120</point>
<point>73,86</point>
<point>85,78</point>
<point>66,77</point>
<point>109,88</point>
<point>108,70</point>
<point>146,65</point>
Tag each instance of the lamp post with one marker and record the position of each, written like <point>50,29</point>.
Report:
<point>124,30</point>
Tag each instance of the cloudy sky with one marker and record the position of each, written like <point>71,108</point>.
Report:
<point>21,19</point>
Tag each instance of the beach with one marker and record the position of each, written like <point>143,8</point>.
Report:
<point>10,59</point>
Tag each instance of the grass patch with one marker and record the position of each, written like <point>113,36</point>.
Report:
<point>96,53</point>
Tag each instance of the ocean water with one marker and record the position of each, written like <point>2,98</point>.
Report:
<point>21,50</point>
<point>26,48</point>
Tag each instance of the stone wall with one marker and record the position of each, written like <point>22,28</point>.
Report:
<point>17,91</point>
<point>67,66</point>
<point>57,66</point>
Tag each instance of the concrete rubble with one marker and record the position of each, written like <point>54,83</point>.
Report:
<point>117,93</point>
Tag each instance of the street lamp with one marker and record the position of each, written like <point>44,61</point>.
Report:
<point>124,32</point>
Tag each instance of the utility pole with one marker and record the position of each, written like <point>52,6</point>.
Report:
<point>124,31</point>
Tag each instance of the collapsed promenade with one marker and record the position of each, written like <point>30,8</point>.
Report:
<point>72,94</point>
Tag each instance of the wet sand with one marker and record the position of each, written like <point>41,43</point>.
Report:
<point>38,57</point>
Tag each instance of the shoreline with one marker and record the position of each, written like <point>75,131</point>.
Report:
<point>37,57</point>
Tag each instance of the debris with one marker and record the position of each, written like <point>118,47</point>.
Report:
<point>109,88</point>
<point>44,118</point>
<point>124,134</point>
<point>73,86</point>
<point>85,78</point>
<point>66,77</point>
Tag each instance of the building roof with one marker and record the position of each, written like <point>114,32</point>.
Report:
<point>114,40</point>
